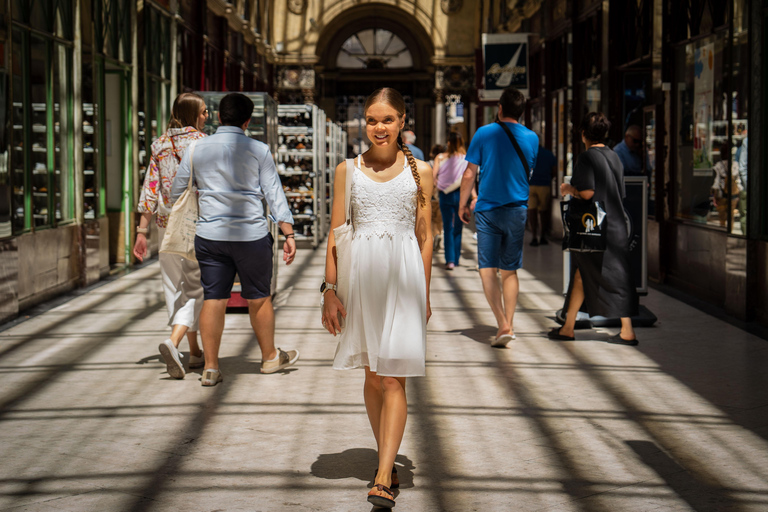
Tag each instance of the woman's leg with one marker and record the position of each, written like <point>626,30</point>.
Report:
<point>446,210</point>
<point>394,412</point>
<point>458,226</point>
<point>373,401</point>
<point>194,348</point>
<point>627,331</point>
<point>574,304</point>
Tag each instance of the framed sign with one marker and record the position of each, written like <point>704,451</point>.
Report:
<point>505,64</point>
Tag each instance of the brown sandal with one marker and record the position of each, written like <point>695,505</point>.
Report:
<point>395,480</point>
<point>381,501</point>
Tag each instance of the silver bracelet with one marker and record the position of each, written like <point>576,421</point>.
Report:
<point>143,231</point>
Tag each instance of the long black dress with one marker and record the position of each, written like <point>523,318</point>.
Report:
<point>609,289</point>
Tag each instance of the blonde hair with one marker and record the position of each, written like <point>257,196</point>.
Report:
<point>395,100</point>
<point>186,109</point>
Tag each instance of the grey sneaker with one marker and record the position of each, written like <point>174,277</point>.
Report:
<point>196,362</point>
<point>282,361</point>
<point>172,359</point>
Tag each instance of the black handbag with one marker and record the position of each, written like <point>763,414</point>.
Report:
<point>584,225</point>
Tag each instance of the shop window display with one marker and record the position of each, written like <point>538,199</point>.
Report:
<point>740,110</point>
<point>42,100</point>
<point>39,121</point>
<point>91,162</point>
<point>712,91</point>
<point>18,137</point>
<point>704,189</point>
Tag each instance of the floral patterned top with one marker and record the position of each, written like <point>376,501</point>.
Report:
<point>162,169</point>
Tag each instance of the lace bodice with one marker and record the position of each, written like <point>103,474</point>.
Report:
<point>383,209</point>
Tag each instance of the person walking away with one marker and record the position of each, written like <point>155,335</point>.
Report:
<point>410,140</point>
<point>601,280</point>
<point>502,206</point>
<point>233,173</point>
<point>539,200</point>
<point>437,219</point>
<point>180,276</point>
<point>447,174</point>
<point>630,151</point>
<point>387,306</point>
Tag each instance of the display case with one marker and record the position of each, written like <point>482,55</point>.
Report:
<point>302,165</point>
<point>17,163</point>
<point>263,127</point>
<point>90,163</point>
<point>39,165</point>
<point>336,151</point>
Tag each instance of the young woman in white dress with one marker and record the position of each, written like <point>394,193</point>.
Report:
<point>387,308</point>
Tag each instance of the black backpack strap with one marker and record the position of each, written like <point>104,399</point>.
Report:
<point>517,148</point>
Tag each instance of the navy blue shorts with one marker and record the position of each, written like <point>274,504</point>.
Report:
<point>220,261</point>
<point>500,234</point>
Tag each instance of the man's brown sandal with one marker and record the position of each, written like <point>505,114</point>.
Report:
<point>395,481</point>
<point>381,501</point>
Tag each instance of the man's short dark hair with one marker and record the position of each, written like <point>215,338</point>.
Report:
<point>512,103</point>
<point>595,127</point>
<point>235,109</point>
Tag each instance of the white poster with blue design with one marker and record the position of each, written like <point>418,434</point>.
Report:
<point>505,64</point>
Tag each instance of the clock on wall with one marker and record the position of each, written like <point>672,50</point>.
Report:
<point>297,6</point>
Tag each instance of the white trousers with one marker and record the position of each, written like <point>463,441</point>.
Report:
<point>182,288</point>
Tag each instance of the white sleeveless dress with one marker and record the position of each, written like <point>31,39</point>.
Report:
<point>386,322</point>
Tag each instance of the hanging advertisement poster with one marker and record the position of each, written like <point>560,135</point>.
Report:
<point>703,104</point>
<point>505,64</point>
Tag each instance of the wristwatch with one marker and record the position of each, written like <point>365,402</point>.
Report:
<point>327,286</point>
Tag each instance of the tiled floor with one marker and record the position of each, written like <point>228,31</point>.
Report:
<point>90,421</point>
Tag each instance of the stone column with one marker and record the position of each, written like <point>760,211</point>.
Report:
<point>439,117</point>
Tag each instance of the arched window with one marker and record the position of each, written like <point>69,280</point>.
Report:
<point>374,48</point>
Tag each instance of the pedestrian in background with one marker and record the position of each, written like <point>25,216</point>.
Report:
<point>410,140</point>
<point>631,152</point>
<point>447,172</point>
<point>180,276</point>
<point>437,219</point>
<point>233,173</point>
<point>540,196</point>
<point>387,306</point>
<point>502,206</point>
<point>601,280</point>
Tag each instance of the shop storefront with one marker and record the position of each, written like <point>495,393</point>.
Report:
<point>709,132</point>
<point>37,208</point>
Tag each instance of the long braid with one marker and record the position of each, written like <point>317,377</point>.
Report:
<point>414,170</point>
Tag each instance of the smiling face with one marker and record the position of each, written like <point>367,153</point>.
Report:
<point>383,125</point>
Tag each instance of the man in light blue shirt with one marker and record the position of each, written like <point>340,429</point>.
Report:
<point>233,173</point>
<point>410,140</point>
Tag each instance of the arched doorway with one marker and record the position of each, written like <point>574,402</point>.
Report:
<point>368,47</point>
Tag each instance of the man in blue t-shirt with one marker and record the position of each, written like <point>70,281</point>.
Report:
<point>630,151</point>
<point>502,205</point>
<point>541,194</point>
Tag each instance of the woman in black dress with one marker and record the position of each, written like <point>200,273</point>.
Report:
<point>601,280</point>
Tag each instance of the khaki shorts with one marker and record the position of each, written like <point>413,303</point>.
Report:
<point>539,199</point>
